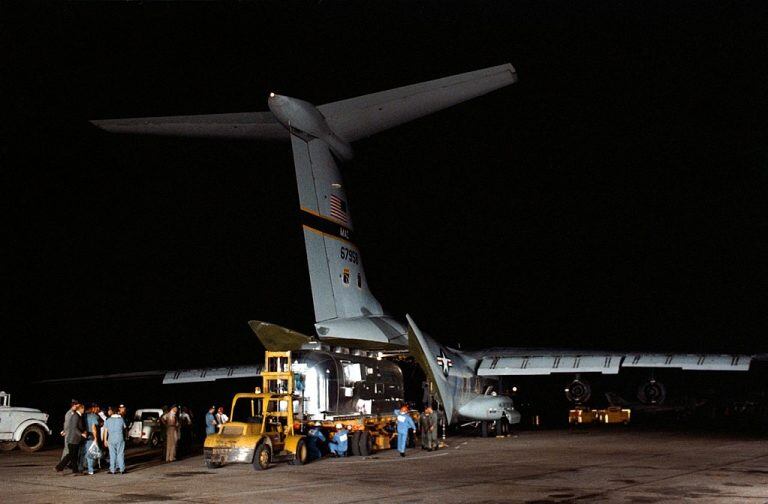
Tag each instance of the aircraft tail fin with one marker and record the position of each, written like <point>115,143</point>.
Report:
<point>344,306</point>
<point>337,278</point>
<point>424,349</point>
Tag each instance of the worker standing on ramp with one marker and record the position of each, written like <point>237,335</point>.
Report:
<point>404,423</point>
<point>428,422</point>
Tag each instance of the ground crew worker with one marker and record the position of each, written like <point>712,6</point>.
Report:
<point>428,423</point>
<point>210,421</point>
<point>92,426</point>
<point>315,436</point>
<point>73,436</point>
<point>404,422</point>
<point>171,422</point>
<point>338,443</point>
<point>67,419</point>
<point>114,429</point>
<point>221,417</point>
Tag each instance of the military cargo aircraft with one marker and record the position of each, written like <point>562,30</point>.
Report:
<point>346,312</point>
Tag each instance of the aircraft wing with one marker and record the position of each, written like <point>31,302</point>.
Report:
<point>516,362</point>
<point>169,377</point>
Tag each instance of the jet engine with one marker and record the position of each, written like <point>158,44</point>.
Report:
<point>578,391</point>
<point>652,392</point>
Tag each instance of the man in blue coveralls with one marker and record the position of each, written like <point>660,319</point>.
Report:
<point>338,444</point>
<point>92,426</point>
<point>404,422</point>
<point>115,427</point>
<point>315,436</point>
<point>210,421</point>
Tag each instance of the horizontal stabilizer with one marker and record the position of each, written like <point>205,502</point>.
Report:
<point>366,115</point>
<point>349,119</point>
<point>261,125</point>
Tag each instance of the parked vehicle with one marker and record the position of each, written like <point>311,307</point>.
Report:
<point>146,428</point>
<point>22,427</point>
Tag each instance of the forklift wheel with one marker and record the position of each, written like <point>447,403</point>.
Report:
<point>263,457</point>
<point>354,447</point>
<point>300,457</point>
<point>365,444</point>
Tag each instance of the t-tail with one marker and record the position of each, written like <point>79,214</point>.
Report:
<point>346,312</point>
<point>345,309</point>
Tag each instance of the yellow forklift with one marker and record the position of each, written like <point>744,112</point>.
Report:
<point>261,426</point>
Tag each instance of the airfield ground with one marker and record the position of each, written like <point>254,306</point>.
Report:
<point>599,465</point>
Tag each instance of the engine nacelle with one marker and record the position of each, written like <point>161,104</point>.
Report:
<point>578,391</point>
<point>652,392</point>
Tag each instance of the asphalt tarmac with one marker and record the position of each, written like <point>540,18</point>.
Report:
<point>595,465</point>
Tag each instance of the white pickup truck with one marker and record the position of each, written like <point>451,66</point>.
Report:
<point>22,427</point>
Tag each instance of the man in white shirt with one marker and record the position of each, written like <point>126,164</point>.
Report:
<point>221,417</point>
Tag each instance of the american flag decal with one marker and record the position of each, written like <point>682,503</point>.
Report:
<point>339,209</point>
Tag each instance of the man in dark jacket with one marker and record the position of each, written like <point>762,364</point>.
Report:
<point>67,417</point>
<point>74,434</point>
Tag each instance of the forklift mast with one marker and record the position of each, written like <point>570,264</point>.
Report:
<point>278,380</point>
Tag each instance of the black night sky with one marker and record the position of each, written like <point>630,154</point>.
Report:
<point>613,198</point>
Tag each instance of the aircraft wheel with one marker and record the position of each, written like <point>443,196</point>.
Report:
<point>263,457</point>
<point>483,428</point>
<point>365,444</point>
<point>354,443</point>
<point>32,439</point>
<point>301,455</point>
<point>8,445</point>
